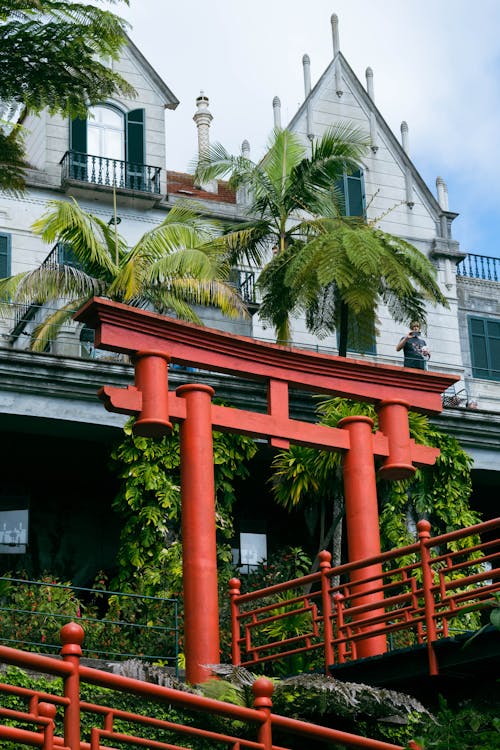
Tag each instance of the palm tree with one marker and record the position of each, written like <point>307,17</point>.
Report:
<point>174,268</point>
<point>333,269</point>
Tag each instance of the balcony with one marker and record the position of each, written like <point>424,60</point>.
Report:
<point>479,267</point>
<point>87,172</point>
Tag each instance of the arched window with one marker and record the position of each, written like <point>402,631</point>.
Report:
<point>107,148</point>
<point>106,133</point>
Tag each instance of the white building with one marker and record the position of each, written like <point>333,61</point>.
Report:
<point>119,154</point>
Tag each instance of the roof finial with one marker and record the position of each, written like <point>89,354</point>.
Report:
<point>335,33</point>
<point>442,193</point>
<point>306,63</point>
<point>369,83</point>
<point>277,112</point>
<point>405,141</point>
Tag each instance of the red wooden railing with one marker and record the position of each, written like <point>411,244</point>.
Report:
<point>35,726</point>
<point>428,588</point>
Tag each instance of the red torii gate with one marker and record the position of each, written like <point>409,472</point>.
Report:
<point>153,341</point>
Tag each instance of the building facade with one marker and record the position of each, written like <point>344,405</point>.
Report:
<point>115,164</point>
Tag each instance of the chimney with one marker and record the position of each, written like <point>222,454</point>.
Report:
<point>203,118</point>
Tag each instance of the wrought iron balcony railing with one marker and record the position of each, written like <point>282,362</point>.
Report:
<point>99,170</point>
<point>479,267</point>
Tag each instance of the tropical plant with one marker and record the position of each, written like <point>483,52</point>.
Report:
<point>53,56</point>
<point>173,268</point>
<point>335,269</point>
<point>150,555</point>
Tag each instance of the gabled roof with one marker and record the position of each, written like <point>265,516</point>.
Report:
<point>170,100</point>
<point>368,106</point>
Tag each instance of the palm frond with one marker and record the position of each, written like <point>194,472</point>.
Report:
<point>50,326</point>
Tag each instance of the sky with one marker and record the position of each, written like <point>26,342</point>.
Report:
<point>436,65</point>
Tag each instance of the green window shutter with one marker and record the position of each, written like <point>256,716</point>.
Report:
<point>484,337</point>
<point>5,259</point>
<point>352,189</point>
<point>135,136</point>
<point>78,135</point>
<point>355,194</point>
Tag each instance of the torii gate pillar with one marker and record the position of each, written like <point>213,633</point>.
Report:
<point>199,551</point>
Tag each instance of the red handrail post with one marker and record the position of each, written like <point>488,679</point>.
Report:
<point>263,690</point>
<point>48,711</point>
<point>72,636</point>
<point>339,611</point>
<point>424,529</point>
<point>234,592</point>
<point>199,550</point>
<point>325,565</point>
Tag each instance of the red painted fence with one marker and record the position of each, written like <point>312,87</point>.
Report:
<point>428,588</point>
<point>34,726</point>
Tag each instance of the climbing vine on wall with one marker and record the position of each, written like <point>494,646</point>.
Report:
<point>149,557</point>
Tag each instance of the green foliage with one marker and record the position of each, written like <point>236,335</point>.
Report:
<point>33,612</point>
<point>173,268</point>
<point>467,727</point>
<point>53,56</point>
<point>150,556</point>
<point>333,269</point>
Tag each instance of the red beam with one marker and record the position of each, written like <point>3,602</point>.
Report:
<point>125,329</point>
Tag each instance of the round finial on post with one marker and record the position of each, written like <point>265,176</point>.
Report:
<point>262,689</point>
<point>47,710</point>
<point>424,529</point>
<point>325,559</point>
<point>234,587</point>
<point>72,635</point>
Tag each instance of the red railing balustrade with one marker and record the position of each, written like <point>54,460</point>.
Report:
<point>35,726</point>
<point>427,590</point>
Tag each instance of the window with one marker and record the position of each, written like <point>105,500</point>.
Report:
<point>5,251</point>
<point>357,341</point>
<point>484,336</point>
<point>352,189</point>
<point>108,148</point>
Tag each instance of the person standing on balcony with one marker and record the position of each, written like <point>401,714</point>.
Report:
<point>414,348</point>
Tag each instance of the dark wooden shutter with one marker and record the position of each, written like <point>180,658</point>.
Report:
<point>4,255</point>
<point>135,136</point>
<point>78,139</point>
<point>351,187</point>
<point>485,347</point>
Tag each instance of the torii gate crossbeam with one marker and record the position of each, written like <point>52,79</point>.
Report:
<point>153,341</point>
